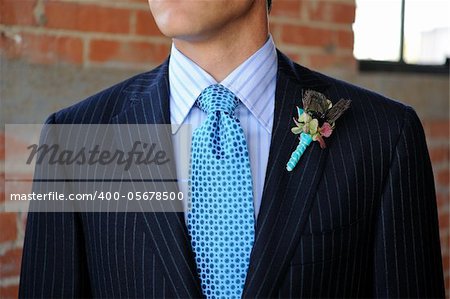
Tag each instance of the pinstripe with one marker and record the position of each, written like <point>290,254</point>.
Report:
<point>291,282</point>
<point>421,184</point>
<point>63,250</point>
<point>421,234</point>
<point>164,288</point>
<point>423,271</point>
<point>356,220</point>
<point>305,204</point>
<point>322,272</point>
<point>405,250</point>
<point>372,175</point>
<point>108,248</point>
<point>348,197</point>
<point>134,257</point>
<point>93,242</point>
<point>303,270</point>
<point>386,273</point>
<point>73,255</point>
<point>364,175</point>
<point>263,220</point>
<point>339,200</point>
<point>102,263</point>
<point>411,223</point>
<point>352,279</point>
<point>45,257</point>
<point>124,257</point>
<point>332,240</point>
<point>285,227</point>
<point>395,238</point>
<point>170,228</point>
<point>153,277</point>
<point>157,222</point>
<point>116,243</point>
<point>311,287</point>
<point>383,221</point>
<point>54,258</point>
<point>143,265</point>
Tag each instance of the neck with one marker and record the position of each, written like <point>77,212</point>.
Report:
<point>223,51</point>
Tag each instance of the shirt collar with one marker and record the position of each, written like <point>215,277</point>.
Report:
<point>253,82</point>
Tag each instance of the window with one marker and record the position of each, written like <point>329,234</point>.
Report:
<point>403,35</point>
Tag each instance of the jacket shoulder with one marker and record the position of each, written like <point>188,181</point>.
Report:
<point>362,98</point>
<point>370,113</point>
<point>101,107</point>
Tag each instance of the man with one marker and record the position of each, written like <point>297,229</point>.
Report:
<point>355,219</point>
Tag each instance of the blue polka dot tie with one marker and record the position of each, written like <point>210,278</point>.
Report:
<point>221,213</point>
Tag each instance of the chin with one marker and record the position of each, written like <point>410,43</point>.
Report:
<point>198,20</point>
<point>188,30</point>
<point>181,32</point>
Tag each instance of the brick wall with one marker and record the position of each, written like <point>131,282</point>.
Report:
<point>88,33</point>
<point>121,34</point>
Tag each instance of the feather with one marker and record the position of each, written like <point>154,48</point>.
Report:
<point>315,101</point>
<point>337,110</point>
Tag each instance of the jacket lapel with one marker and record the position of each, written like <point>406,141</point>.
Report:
<point>287,196</point>
<point>148,103</point>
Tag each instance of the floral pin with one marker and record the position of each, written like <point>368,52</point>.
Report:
<point>315,122</point>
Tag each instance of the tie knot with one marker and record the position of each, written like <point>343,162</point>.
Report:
<point>217,97</point>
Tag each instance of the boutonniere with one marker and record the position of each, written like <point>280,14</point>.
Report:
<point>315,122</point>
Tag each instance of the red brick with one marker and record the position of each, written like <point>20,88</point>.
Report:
<point>8,226</point>
<point>135,1</point>
<point>305,36</point>
<point>2,187</point>
<point>320,61</point>
<point>10,263</point>
<point>313,36</point>
<point>128,52</point>
<point>286,8</point>
<point>437,128</point>
<point>447,283</point>
<point>439,154</point>
<point>446,260</point>
<point>45,49</point>
<point>12,146</point>
<point>87,17</point>
<point>23,220</point>
<point>323,61</point>
<point>442,199</point>
<point>443,177</point>
<point>345,39</point>
<point>145,24</point>
<point>444,219</point>
<point>9,292</point>
<point>14,12</point>
<point>332,12</point>
<point>444,238</point>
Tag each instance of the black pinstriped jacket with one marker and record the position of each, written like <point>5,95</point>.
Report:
<point>357,219</point>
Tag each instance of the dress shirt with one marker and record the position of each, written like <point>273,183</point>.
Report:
<point>253,82</point>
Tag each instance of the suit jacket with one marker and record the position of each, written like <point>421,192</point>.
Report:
<point>357,219</point>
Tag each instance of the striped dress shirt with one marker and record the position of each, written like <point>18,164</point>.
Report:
<point>253,82</point>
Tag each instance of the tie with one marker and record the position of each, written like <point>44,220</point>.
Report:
<point>221,213</point>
